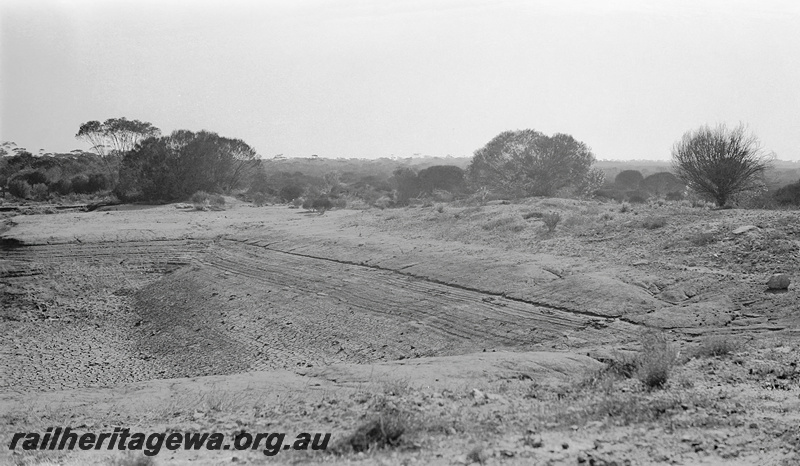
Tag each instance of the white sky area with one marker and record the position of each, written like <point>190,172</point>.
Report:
<point>368,79</point>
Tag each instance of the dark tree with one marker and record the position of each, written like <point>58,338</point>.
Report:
<point>175,166</point>
<point>662,183</point>
<point>789,194</point>
<point>321,204</point>
<point>31,177</point>
<point>628,179</point>
<point>445,177</point>
<point>718,162</point>
<point>405,179</point>
<point>80,184</point>
<point>529,163</point>
<point>290,192</point>
<point>151,171</point>
<point>259,182</point>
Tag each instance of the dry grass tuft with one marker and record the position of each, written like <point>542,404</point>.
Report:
<point>532,214</point>
<point>476,455</point>
<point>656,360</point>
<point>716,346</point>
<point>503,224</point>
<point>653,223</point>
<point>703,239</point>
<point>384,431</point>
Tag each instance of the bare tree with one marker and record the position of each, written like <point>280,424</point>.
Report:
<point>243,164</point>
<point>719,162</point>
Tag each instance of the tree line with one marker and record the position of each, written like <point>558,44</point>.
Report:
<point>135,162</point>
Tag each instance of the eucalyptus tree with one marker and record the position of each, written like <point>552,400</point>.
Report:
<point>114,137</point>
<point>530,163</point>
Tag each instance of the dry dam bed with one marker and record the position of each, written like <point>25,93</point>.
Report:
<point>217,307</point>
<point>304,308</point>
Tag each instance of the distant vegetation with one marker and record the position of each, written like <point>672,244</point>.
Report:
<point>632,186</point>
<point>26,176</point>
<point>131,161</point>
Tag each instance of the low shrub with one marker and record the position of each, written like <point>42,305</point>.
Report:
<point>381,432</point>
<point>622,365</point>
<point>717,346</point>
<point>383,202</point>
<point>477,455</point>
<point>205,201</point>
<point>62,186</point>
<point>656,360</point>
<point>697,202</point>
<point>674,196</point>
<point>703,238</point>
<point>440,195</point>
<point>200,197</point>
<point>764,200</point>
<point>637,197</point>
<point>480,197</point>
<point>532,214</point>
<point>578,220</point>
<point>610,194</point>
<point>652,365</point>
<point>551,221</point>
<point>259,199</point>
<point>321,204</point>
<point>496,223</point>
<point>653,223</point>
<point>38,210</point>
<point>216,200</point>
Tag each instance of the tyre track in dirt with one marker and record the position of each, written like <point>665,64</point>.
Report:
<point>374,314</point>
<point>445,309</point>
<point>612,296</point>
<point>449,285</point>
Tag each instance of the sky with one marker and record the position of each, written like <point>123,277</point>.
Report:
<point>369,78</point>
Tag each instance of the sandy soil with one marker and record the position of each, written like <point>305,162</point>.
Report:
<point>250,317</point>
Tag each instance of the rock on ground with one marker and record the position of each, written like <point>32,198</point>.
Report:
<point>779,281</point>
